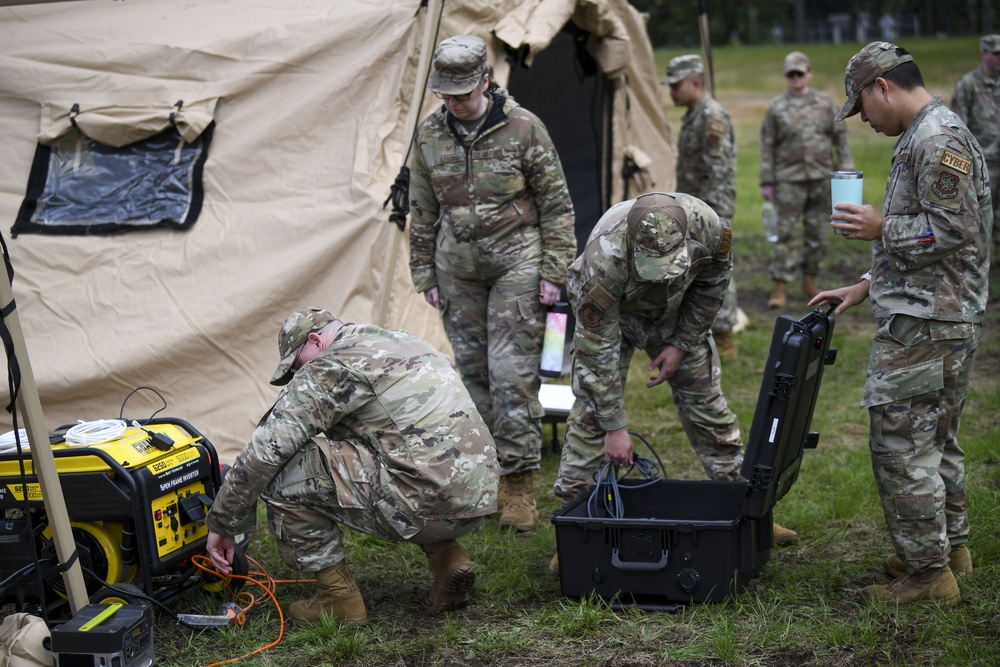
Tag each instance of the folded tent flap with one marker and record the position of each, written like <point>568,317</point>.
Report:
<point>120,124</point>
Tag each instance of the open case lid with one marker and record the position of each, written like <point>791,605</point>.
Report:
<point>800,348</point>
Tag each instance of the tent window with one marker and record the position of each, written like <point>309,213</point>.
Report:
<point>80,186</point>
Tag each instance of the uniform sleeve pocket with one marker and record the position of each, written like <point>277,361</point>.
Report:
<point>898,384</point>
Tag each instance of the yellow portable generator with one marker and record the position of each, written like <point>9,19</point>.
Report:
<point>137,507</point>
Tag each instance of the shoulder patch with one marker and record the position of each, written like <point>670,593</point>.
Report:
<point>956,162</point>
<point>946,185</point>
<point>718,127</point>
<point>591,315</point>
<point>601,297</point>
<point>726,244</point>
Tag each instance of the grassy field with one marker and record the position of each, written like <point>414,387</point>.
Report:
<point>803,609</point>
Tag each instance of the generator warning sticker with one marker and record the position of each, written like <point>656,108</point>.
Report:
<point>34,491</point>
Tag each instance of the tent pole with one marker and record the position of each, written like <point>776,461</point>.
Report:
<point>706,45</point>
<point>432,19</point>
<point>42,462</point>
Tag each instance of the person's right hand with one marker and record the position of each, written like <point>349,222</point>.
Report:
<point>618,447</point>
<point>431,297</point>
<point>767,192</point>
<point>845,296</point>
<point>221,549</point>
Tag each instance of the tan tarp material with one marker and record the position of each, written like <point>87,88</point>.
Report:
<point>309,100</point>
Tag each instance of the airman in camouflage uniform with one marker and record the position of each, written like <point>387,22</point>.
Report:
<point>374,431</point>
<point>706,165</point>
<point>491,237</point>
<point>652,277</point>
<point>801,142</point>
<point>977,103</point>
<point>928,287</point>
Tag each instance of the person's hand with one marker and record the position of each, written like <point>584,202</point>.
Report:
<point>667,361</point>
<point>618,447</point>
<point>767,192</point>
<point>431,297</point>
<point>548,292</point>
<point>220,549</point>
<point>845,296</point>
<point>862,223</point>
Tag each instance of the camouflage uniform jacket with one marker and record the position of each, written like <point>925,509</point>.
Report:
<point>977,103</point>
<point>798,138</point>
<point>611,302</point>
<point>503,192</point>
<point>706,156</point>
<point>392,393</point>
<point>933,258</point>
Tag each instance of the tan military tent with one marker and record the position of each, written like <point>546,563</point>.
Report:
<point>310,104</point>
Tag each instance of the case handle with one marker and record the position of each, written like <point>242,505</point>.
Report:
<point>639,566</point>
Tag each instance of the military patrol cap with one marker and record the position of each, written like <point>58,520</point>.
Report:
<point>293,335</point>
<point>989,44</point>
<point>459,64</point>
<point>867,65</point>
<point>657,225</point>
<point>796,61</point>
<point>682,67</point>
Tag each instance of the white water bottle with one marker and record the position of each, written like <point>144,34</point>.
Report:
<point>770,220</point>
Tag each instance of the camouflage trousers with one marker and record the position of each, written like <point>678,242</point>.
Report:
<point>726,319</point>
<point>918,379</point>
<point>495,328</point>
<point>327,485</point>
<point>994,168</point>
<point>800,250</point>
<point>711,427</point>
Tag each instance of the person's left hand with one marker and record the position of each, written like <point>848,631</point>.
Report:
<point>860,222</point>
<point>221,549</point>
<point>667,362</point>
<point>548,292</point>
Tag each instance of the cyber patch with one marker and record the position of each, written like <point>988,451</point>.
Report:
<point>946,185</point>
<point>591,315</point>
<point>956,162</point>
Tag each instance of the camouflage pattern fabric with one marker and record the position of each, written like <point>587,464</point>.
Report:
<point>977,103</point>
<point>918,380</point>
<point>617,312</point>
<point>803,215</point>
<point>491,217</point>
<point>933,258</point>
<point>928,291</point>
<point>800,142</point>
<point>376,433</point>
<point>706,169</point>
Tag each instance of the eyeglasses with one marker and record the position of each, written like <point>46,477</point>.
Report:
<point>464,97</point>
<point>794,75</point>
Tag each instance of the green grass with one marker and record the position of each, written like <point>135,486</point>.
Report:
<point>803,609</point>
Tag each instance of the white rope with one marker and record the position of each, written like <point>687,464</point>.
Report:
<point>96,432</point>
<point>8,444</point>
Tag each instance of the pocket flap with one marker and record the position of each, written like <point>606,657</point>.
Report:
<point>897,384</point>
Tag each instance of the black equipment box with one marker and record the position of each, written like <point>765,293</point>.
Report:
<point>674,542</point>
<point>123,639</point>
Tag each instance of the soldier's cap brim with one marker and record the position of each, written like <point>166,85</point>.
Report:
<point>447,85</point>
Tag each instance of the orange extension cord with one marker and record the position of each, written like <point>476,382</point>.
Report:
<point>245,599</point>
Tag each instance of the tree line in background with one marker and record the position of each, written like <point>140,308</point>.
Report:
<point>674,23</point>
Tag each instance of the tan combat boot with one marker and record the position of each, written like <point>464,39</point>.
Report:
<point>960,562</point>
<point>519,510</point>
<point>809,288</point>
<point>778,298</point>
<point>724,344</point>
<point>929,586</point>
<point>782,535</point>
<point>337,594</point>
<point>454,576</point>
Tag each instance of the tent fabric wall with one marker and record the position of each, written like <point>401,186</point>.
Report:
<point>309,135</point>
